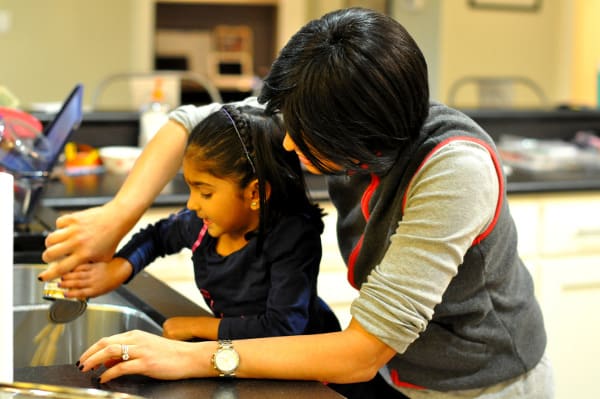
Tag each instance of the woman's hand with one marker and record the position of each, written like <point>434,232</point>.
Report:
<point>94,279</point>
<point>87,236</point>
<point>149,355</point>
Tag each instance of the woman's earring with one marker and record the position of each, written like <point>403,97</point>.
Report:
<point>254,205</point>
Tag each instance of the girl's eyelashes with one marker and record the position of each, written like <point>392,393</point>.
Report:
<point>206,196</point>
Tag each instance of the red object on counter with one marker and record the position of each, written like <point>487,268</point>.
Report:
<point>23,124</point>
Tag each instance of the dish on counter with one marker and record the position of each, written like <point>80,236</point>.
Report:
<point>545,155</point>
<point>119,159</point>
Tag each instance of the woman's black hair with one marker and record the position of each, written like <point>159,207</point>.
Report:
<point>243,144</point>
<point>353,89</point>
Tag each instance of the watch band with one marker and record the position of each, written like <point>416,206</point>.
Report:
<point>225,359</point>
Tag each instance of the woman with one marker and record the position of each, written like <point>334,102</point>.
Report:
<point>446,308</point>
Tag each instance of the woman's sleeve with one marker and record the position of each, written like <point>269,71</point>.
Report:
<point>293,255</point>
<point>191,115</point>
<point>451,201</point>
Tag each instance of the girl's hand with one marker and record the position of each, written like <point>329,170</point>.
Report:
<point>94,279</point>
<point>149,355</point>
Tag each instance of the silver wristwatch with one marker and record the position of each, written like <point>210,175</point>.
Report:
<point>226,359</point>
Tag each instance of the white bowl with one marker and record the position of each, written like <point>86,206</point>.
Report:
<point>119,159</point>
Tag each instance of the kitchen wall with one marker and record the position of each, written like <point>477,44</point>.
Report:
<point>483,42</point>
<point>585,52</point>
<point>52,44</point>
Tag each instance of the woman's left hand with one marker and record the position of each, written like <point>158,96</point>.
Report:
<point>139,352</point>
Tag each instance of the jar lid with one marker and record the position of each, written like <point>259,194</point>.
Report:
<point>66,310</point>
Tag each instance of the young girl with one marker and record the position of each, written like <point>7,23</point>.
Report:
<point>254,235</point>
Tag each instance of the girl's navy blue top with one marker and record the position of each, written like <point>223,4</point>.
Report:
<point>263,293</point>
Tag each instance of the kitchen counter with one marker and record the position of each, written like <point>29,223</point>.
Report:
<point>214,388</point>
<point>159,302</point>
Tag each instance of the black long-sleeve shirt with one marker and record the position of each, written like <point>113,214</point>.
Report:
<point>262,293</point>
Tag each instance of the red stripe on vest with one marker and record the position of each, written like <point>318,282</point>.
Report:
<point>399,383</point>
<point>364,206</point>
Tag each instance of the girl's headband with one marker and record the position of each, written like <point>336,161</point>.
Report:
<point>240,137</point>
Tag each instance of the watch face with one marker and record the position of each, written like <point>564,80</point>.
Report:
<point>227,360</point>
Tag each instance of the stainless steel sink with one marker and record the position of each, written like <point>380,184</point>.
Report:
<point>40,342</point>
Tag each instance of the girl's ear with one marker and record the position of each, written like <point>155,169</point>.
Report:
<point>254,191</point>
<point>253,187</point>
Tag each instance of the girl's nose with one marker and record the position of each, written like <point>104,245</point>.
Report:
<point>192,204</point>
<point>288,143</point>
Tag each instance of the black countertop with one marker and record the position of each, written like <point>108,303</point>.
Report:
<point>159,302</point>
<point>210,388</point>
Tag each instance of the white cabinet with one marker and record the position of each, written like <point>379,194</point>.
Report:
<point>559,240</point>
<point>569,291</point>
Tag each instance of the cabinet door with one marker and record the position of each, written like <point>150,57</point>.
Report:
<point>571,226</point>
<point>569,295</point>
<point>526,214</point>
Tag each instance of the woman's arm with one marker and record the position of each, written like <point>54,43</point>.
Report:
<point>92,235</point>
<point>352,355</point>
<point>447,207</point>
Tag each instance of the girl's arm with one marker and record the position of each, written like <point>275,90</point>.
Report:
<point>184,328</point>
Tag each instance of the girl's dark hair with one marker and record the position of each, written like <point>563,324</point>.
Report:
<point>352,86</point>
<point>253,149</point>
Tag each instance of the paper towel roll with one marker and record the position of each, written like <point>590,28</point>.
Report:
<point>6,281</point>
